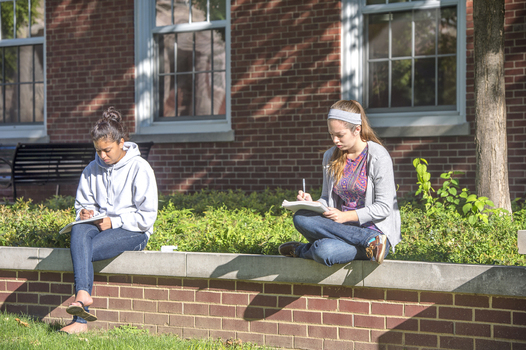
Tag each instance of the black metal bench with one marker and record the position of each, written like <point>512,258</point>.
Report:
<point>57,163</point>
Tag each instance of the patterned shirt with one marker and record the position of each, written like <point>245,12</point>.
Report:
<point>351,188</point>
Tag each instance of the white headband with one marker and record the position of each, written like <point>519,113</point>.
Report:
<point>353,118</point>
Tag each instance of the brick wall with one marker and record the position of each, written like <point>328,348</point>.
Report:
<point>289,315</point>
<point>285,75</point>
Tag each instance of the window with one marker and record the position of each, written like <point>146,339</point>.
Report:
<point>22,93</point>
<point>413,60</point>
<point>183,70</point>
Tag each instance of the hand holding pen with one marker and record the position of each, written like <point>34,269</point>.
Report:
<point>303,195</point>
<point>85,213</point>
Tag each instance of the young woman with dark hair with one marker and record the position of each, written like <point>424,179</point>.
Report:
<point>358,187</point>
<point>120,184</point>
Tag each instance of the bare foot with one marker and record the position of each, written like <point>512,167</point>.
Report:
<point>74,328</point>
<point>83,296</point>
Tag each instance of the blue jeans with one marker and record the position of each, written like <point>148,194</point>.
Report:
<point>331,242</point>
<point>88,244</point>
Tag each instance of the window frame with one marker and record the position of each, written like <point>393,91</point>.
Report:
<point>28,132</point>
<point>401,124</point>
<point>147,128</point>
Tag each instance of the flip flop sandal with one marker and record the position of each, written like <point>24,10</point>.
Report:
<point>80,312</point>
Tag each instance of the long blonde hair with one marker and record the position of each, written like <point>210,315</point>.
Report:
<point>339,158</point>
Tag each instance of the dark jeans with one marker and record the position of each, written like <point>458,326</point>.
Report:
<point>88,244</point>
<point>331,242</point>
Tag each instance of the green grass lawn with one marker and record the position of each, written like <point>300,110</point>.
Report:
<point>21,332</point>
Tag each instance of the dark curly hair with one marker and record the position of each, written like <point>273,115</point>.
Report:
<point>109,127</point>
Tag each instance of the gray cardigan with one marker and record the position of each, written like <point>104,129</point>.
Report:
<point>381,206</point>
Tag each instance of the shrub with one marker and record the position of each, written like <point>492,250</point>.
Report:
<point>255,223</point>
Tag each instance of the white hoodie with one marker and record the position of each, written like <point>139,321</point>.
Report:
<point>126,191</point>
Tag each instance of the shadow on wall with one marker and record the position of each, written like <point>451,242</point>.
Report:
<point>463,321</point>
<point>255,269</point>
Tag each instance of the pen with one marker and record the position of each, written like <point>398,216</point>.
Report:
<point>303,188</point>
<point>77,201</point>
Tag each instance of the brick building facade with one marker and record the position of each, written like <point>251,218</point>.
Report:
<point>287,67</point>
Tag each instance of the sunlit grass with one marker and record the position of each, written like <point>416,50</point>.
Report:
<point>23,332</point>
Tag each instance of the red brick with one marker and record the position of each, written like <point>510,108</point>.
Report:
<point>278,315</point>
<point>473,329</point>
<point>111,316</point>
<point>242,286</point>
<point>451,313</point>
<point>221,310</point>
<point>354,306</point>
<point>120,279</point>
<point>472,300</point>
<point>28,275</point>
<point>170,307</point>
<point>50,277</point>
<point>337,292</point>
<point>235,324</point>
<point>402,296</point>
<point>271,288</point>
<point>182,321</point>
<point>7,297</point>
<point>263,300</point>
<point>519,318</point>
<point>38,287</point>
<point>419,339</point>
<point>307,317</point>
<point>144,281</point>
<point>27,298</point>
<point>356,334</point>
<point>338,319</point>
<point>493,316</point>
<point>432,326</point>
<point>264,327</point>
<point>487,344</point>
<point>436,298</point>
<point>402,323</point>
<point>234,299</point>
<point>509,303</point>
<point>309,343</point>
<point>456,343</point>
<point>222,285</point>
<point>330,344</point>
<point>144,305</point>
<point>306,290</point>
<point>297,330</point>
<point>170,282</point>
<point>119,304</point>
<point>131,317</point>
<point>387,309</point>
<point>195,284</point>
<point>61,288</point>
<point>7,274</point>
<point>420,311</point>
<point>50,299</point>
<point>292,302</point>
<point>208,322</point>
<point>195,309</point>
<point>133,293</point>
<point>280,341</point>
<point>369,321</point>
<point>323,332</point>
<point>387,337</point>
<point>208,297</point>
<point>322,304</point>
<point>107,291</point>
<point>369,293</point>
<point>182,295</point>
<point>508,333</point>
<point>252,313</point>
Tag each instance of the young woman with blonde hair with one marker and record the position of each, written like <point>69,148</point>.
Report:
<point>358,187</point>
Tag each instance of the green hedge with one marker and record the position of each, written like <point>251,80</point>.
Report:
<point>255,223</point>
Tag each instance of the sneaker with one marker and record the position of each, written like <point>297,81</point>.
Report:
<point>289,249</point>
<point>376,249</point>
